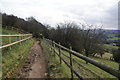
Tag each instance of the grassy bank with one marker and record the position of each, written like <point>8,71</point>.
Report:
<point>55,69</point>
<point>14,58</point>
<point>85,70</point>
<point>94,69</point>
<point>5,40</point>
<point>5,31</point>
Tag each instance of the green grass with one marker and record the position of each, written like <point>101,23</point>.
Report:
<point>108,51</point>
<point>86,73</point>
<point>111,35</point>
<point>114,38</point>
<point>83,72</point>
<point>64,70</point>
<point>5,40</point>
<point>5,31</point>
<point>97,70</point>
<point>105,56</point>
<point>15,55</point>
<point>108,62</point>
<point>55,69</point>
<point>109,48</point>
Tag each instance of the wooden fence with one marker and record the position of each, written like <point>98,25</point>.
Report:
<point>14,29</point>
<point>23,36</point>
<point>26,37</point>
<point>10,44</point>
<point>102,66</point>
<point>20,38</point>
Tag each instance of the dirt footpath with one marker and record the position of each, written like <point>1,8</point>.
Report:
<point>35,64</point>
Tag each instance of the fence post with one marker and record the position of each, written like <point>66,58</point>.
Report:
<point>22,31</point>
<point>54,47</point>
<point>17,30</point>
<point>20,38</point>
<point>60,54</point>
<point>51,45</point>
<point>10,41</point>
<point>119,68</point>
<point>12,28</point>
<point>71,62</point>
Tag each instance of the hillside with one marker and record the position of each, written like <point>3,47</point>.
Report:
<point>112,36</point>
<point>5,31</point>
<point>61,69</point>
<point>30,25</point>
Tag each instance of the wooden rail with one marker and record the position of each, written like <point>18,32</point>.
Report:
<point>100,65</point>
<point>22,37</point>
<point>16,35</point>
<point>15,42</point>
<point>15,29</point>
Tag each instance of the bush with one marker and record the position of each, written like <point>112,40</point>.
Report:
<point>116,55</point>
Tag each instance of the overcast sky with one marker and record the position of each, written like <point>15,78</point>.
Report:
<point>56,11</point>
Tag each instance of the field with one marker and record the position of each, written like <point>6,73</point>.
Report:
<point>109,49</point>
<point>112,37</point>
<point>86,70</point>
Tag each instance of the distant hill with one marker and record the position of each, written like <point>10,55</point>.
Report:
<point>112,36</point>
<point>112,31</point>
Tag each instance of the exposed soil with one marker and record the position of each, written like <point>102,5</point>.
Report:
<point>35,65</point>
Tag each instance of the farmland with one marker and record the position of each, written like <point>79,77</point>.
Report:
<point>112,36</point>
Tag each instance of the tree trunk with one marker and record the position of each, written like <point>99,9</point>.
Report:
<point>86,56</point>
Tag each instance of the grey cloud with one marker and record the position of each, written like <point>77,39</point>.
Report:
<point>54,11</point>
<point>111,19</point>
<point>93,15</point>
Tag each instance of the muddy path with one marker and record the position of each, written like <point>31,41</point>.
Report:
<point>35,65</point>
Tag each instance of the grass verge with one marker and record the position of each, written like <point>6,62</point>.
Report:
<point>55,69</point>
<point>12,59</point>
